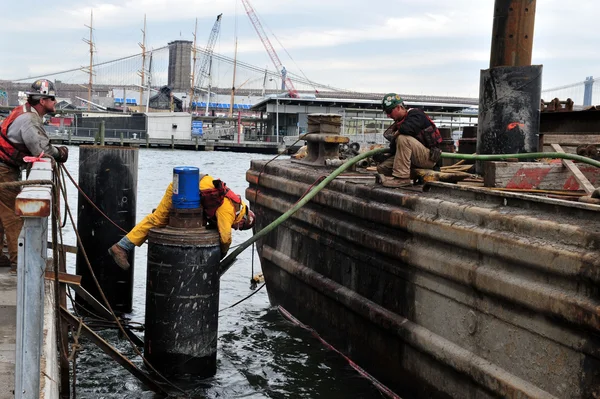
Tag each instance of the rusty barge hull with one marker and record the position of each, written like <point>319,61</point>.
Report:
<point>451,292</point>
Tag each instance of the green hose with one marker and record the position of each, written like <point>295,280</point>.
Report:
<point>227,262</point>
<point>532,155</point>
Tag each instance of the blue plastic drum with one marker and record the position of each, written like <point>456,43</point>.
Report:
<point>186,191</point>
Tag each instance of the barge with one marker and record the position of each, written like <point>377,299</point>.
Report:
<point>480,290</point>
<point>452,291</point>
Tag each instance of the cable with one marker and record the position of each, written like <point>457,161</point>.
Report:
<point>242,300</point>
<point>107,304</point>
<point>91,202</point>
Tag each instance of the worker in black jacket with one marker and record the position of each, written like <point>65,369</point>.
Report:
<point>414,141</point>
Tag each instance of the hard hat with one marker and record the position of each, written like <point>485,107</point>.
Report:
<point>42,87</point>
<point>391,101</point>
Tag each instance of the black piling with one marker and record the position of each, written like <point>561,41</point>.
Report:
<point>108,177</point>
<point>509,110</point>
<point>182,301</point>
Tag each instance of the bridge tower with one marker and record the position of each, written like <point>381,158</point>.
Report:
<point>587,92</point>
<point>180,65</point>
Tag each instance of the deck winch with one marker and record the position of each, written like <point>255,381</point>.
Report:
<point>182,292</point>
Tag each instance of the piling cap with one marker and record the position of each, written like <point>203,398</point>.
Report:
<point>390,101</point>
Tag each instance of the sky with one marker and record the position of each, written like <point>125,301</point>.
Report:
<point>426,47</point>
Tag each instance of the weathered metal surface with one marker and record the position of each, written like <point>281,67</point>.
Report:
<point>575,122</point>
<point>509,116</point>
<point>186,218</point>
<point>108,177</point>
<point>182,301</point>
<point>322,139</point>
<point>36,201</point>
<point>457,291</point>
<point>512,33</point>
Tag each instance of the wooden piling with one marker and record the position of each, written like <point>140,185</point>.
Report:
<point>172,142</point>
<point>108,176</point>
<point>102,132</point>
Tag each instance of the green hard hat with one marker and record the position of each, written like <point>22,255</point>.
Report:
<point>390,101</point>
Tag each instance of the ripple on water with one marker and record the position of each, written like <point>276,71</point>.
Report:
<point>260,354</point>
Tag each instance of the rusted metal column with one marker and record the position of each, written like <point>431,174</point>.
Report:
<point>512,33</point>
<point>510,90</point>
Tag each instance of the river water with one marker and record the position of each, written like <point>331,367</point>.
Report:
<point>260,353</point>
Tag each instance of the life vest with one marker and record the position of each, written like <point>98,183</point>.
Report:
<point>11,153</point>
<point>212,198</point>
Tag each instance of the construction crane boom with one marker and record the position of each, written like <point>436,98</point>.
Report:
<point>212,39</point>
<point>270,49</point>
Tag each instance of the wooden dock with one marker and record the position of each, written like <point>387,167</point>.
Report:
<point>195,144</point>
<point>8,331</point>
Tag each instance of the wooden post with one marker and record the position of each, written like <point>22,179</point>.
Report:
<point>69,136</point>
<point>172,142</point>
<point>121,139</point>
<point>147,141</point>
<point>108,176</point>
<point>196,143</point>
<point>102,132</point>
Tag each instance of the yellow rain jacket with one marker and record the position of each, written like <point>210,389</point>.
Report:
<point>228,214</point>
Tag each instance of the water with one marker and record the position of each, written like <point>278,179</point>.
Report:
<point>260,353</point>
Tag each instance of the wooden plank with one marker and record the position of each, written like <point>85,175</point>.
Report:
<point>67,248</point>
<point>89,298</point>
<point>580,177</point>
<point>536,175</point>
<point>71,279</point>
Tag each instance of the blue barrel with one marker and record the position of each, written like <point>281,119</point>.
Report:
<point>186,191</point>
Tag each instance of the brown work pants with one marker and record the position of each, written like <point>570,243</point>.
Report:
<point>11,222</point>
<point>409,151</point>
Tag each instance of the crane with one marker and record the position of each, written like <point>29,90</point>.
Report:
<point>205,65</point>
<point>270,50</point>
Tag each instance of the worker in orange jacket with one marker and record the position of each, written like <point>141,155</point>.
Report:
<point>221,206</point>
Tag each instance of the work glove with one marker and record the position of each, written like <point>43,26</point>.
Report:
<point>63,154</point>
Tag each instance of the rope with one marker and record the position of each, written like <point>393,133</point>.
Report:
<point>20,183</point>
<point>76,347</point>
<point>106,302</point>
<point>92,203</point>
<point>242,300</point>
<point>382,388</point>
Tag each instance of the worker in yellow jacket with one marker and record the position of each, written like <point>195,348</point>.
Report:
<point>221,207</point>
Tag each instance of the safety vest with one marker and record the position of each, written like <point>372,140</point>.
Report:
<point>11,153</point>
<point>212,198</point>
<point>430,137</point>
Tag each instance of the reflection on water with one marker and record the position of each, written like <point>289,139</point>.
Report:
<point>260,354</point>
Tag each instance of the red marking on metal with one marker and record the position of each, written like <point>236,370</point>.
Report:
<point>528,178</point>
<point>382,388</point>
<point>513,125</point>
<point>590,172</point>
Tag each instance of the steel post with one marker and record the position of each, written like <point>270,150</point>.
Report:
<point>512,33</point>
<point>33,204</point>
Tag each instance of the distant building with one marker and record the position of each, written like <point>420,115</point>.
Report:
<point>166,100</point>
